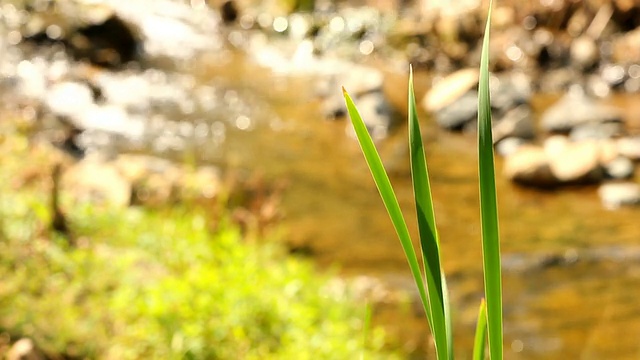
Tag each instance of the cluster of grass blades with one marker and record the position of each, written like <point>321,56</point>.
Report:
<point>430,280</point>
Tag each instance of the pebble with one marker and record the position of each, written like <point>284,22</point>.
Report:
<point>616,195</point>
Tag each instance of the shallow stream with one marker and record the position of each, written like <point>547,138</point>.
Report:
<point>572,268</point>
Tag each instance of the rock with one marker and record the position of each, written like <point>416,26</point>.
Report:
<point>110,43</point>
<point>608,151</point>
<point>515,123</point>
<point>509,90</point>
<point>229,11</point>
<point>555,144</point>
<point>508,146</point>
<point>450,89</point>
<point>359,80</point>
<point>529,165</point>
<point>68,99</point>
<point>584,52</point>
<point>110,119</point>
<point>557,80</point>
<point>577,163</point>
<point>457,114</point>
<point>619,168</point>
<point>24,349</point>
<point>615,195</point>
<point>576,109</point>
<point>596,131</point>
<point>95,181</point>
<point>629,147</point>
<point>625,47</point>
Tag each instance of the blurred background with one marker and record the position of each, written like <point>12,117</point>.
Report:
<point>179,180</point>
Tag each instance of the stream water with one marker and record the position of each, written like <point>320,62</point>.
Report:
<point>572,268</point>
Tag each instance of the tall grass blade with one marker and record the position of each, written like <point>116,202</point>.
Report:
<point>488,206</point>
<point>388,197</point>
<point>429,242</point>
<point>481,332</point>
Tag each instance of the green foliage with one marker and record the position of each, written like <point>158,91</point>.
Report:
<point>434,295</point>
<point>157,284</point>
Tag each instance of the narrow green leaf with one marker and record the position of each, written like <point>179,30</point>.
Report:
<point>488,206</point>
<point>429,242</point>
<point>366,328</point>
<point>388,196</point>
<point>481,332</point>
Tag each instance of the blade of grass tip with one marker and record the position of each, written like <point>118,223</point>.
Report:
<point>481,332</point>
<point>387,194</point>
<point>488,206</point>
<point>429,242</point>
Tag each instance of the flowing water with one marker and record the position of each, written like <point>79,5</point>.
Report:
<point>572,268</point>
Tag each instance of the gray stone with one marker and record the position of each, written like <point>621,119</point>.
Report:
<point>509,90</point>
<point>619,168</point>
<point>584,52</point>
<point>576,109</point>
<point>577,163</point>
<point>456,115</point>
<point>68,99</point>
<point>629,147</point>
<point>616,195</point>
<point>516,122</point>
<point>450,89</point>
<point>509,145</point>
<point>529,165</point>
<point>596,131</point>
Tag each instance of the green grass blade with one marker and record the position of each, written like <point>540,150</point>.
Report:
<point>488,206</point>
<point>388,196</point>
<point>366,328</point>
<point>481,332</point>
<point>428,233</point>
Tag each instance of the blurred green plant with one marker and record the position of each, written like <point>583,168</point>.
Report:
<point>430,280</point>
<point>159,284</point>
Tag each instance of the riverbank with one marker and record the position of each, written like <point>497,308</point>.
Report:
<point>158,280</point>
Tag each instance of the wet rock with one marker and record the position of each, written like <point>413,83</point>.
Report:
<point>616,195</point>
<point>576,109</point>
<point>95,181</point>
<point>516,123</point>
<point>596,131</point>
<point>577,163</point>
<point>619,168</point>
<point>584,52</point>
<point>24,349</point>
<point>629,147</point>
<point>450,89</point>
<point>529,165</point>
<point>459,113</point>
